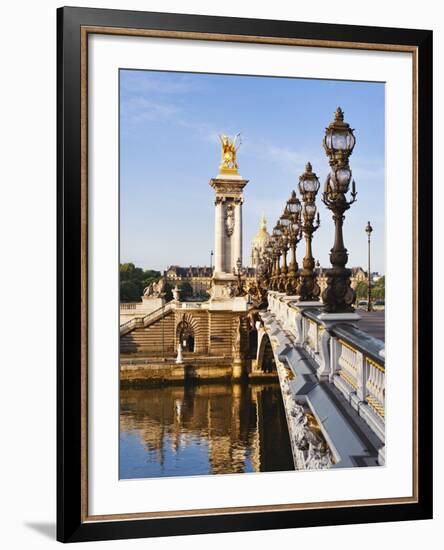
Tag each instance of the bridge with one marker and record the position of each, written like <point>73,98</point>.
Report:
<point>332,377</point>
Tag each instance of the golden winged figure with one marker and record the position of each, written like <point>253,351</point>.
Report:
<point>229,152</point>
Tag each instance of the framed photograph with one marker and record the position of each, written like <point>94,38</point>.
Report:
<point>244,274</point>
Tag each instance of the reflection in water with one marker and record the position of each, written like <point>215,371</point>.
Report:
<point>208,429</point>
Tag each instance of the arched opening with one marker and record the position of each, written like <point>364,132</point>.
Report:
<point>266,362</point>
<point>185,335</point>
<point>252,344</point>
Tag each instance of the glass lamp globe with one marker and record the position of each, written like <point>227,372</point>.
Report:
<point>339,137</point>
<point>340,179</point>
<point>310,210</point>
<point>308,182</point>
<point>293,204</point>
<point>285,219</point>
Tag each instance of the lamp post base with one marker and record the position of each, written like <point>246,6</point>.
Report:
<point>339,296</point>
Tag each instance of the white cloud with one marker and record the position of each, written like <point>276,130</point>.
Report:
<point>286,159</point>
<point>137,109</point>
<point>145,81</point>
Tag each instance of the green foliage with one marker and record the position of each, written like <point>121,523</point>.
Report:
<point>378,289</point>
<point>186,290</point>
<point>129,291</point>
<point>203,296</point>
<point>133,280</point>
<point>168,292</point>
<point>127,268</point>
<point>361,290</point>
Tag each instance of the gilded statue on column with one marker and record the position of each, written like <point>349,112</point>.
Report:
<point>228,163</point>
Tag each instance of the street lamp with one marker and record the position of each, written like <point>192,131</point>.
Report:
<point>294,208</point>
<point>308,288</point>
<point>239,272</point>
<point>276,235</point>
<point>284,221</point>
<point>274,264</point>
<point>368,230</point>
<point>339,142</point>
<point>268,265</point>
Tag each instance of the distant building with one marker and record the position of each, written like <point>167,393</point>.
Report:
<point>358,275</point>
<point>260,241</point>
<point>198,277</point>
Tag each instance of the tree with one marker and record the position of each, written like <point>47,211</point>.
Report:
<point>168,292</point>
<point>133,280</point>
<point>361,290</point>
<point>129,291</point>
<point>186,290</point>
<point>203,296</point>
<point>378,289</point>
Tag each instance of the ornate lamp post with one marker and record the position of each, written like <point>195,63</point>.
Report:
<point>240,272</point>
<point>308,288</point>
<point>264,269</point>
<point>270,249</point>
<point>368,230</point>
<point>294,208</point>
<point>339,142</point>
<point>276,235</point>
<point>275,265</point>
<point>284,221</point>
<point>268,265</point>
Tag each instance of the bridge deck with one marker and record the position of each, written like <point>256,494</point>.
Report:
<point>373,322</point>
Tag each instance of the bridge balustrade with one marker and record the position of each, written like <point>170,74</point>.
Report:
<point>350,359</point>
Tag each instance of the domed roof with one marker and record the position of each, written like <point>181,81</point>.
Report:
<point>262,236</point>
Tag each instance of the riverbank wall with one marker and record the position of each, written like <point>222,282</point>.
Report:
<point>151,372</point>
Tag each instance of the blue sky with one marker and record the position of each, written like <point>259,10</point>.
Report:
<point>169,150</point>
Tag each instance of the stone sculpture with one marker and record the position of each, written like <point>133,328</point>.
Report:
<point>308,438</point>
<point>154,290</point>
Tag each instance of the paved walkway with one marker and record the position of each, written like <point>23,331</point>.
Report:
<point>372,322</point>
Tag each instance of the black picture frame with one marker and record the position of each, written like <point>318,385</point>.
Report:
<point>71,523</point>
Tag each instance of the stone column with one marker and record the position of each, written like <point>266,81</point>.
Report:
<point>237,234</point>
<point>228,236</point>
<point>219,237</point>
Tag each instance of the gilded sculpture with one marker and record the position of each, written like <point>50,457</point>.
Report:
<point>228,163</point>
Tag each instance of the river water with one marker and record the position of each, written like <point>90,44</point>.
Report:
<point>203,429</point>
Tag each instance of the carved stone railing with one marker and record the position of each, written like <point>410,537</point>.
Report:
<point>190,305</point>
<point>140,322</point>
<point>130,325</point>
<point>128,305</point>
<point>144,321</point>
<point>375,396</point>
<point>350,359</point>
